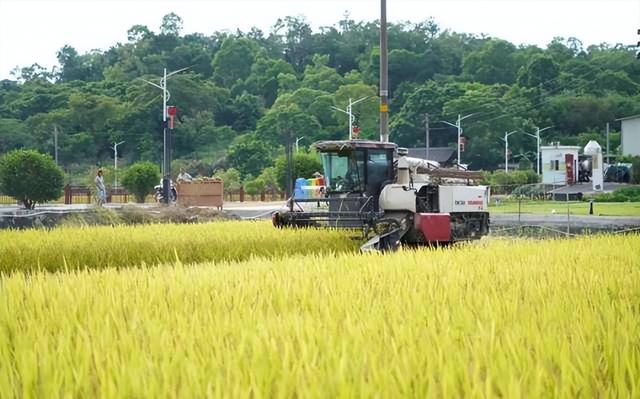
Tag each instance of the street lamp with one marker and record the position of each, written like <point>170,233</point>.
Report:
<point>115,163</point>
<point>348,112</point>
<point>298,139</point>
<point>506,149</point>
<point>537,137</point>
<point>166,169</point>
<point>459,127</point>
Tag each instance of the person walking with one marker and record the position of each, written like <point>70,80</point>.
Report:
<point>101,190</point>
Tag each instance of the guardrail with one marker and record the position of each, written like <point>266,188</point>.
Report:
<point>240,195</point>
<point>77,194</point>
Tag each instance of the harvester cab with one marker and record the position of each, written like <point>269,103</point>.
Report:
<point>373,186</point>
<point>355,172</point>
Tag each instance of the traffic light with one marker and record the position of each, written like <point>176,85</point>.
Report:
<point>638,51</point>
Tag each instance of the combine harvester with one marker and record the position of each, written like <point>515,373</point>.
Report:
<point>375,187</point>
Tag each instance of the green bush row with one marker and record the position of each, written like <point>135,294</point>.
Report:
<point>624,194</point>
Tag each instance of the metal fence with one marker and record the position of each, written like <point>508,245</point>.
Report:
<point>77,194</point>
<point>240,195</point>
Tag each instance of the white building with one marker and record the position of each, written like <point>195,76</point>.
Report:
<point>559,164</point>
<point>630,135</point>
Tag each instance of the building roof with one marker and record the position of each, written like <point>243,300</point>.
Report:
<point>628,117</point>
<point>438,154</point>
<point>560,147</point>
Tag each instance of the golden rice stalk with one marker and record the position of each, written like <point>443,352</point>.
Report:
<point>506,318</point>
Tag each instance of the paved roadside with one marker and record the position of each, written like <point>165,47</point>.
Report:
<point>263,210</point>
<point>573,223</point>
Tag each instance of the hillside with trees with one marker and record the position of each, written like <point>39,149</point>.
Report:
<point>246,95</point>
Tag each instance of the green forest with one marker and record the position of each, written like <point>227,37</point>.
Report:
<point>245,95</point>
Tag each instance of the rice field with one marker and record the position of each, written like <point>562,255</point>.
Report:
<point>497,318</point>
<point>72,248</point>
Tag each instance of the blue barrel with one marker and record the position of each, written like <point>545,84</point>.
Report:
<point>298,192</point>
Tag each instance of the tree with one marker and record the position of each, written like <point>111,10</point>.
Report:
<point>171,24</point>
<point>493,63</point>
<point>541,71</point>
<point>281,125</point>
<point>249,155</point>
<point>30,177</point>
<point>254,186</point>
<point>140,179</point>
<point>321,77</point>
<point>13,135</point>
<point>234,60</point>
<point>230,178</point>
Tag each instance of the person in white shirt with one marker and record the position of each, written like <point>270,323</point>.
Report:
<point>101,190</point>
<point>184,176</point>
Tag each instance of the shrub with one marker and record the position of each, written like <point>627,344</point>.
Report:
<point>623,194</point>
<point>504,183</point>
<point>231,179</point>
<point>254,186</point>
<point>635,170</point>
<point>30,177</point>
<point>536,190</point>
<point>140,179</point>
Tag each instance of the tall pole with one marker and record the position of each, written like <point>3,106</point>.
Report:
<point>166,168</point>
<point>608,143</point>
<point>384,75</point>
<point>458,126</point>
<point>115,163</point>
<point>298,139</point>
<point>537,137</point>
<point>506,150</point>
<point>166,134</point>
<point>538,153</point>
<point>426,134</point>
<point>350,113</point>
<point>506,153</point>
<point>55,142</point>
<point>349,107</point>
<point>459,134</point>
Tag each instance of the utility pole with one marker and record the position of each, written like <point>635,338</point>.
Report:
<point>384,75</point>
<point>506,150</point>
<point>608,144</point>
<point>458,126</point>
<point>426,134</point>
<point>55,142</point>
<point>537,137</point>
<point>298,139</point>
<point>115,163</point>
<point>166,134</point>
<point>350,113</point>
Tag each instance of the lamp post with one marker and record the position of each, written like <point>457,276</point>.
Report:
<point>166,168</point>
<point>459,127</point>
<point>506,149</point>
<point>350,113</point>
<point>537,137</point>
<point>115,163</point>
<point>298,139</point>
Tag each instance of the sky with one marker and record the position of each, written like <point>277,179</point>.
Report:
<point>32,31</point>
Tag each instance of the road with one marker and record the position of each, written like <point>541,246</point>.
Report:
<point>263,210</point>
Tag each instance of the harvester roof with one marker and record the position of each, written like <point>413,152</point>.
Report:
<point>340,145</point>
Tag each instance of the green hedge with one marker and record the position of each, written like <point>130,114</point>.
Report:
<point>624,194</point>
